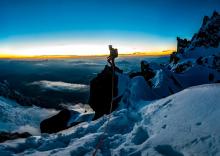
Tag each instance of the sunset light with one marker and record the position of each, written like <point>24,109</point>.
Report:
<point>25,48</point>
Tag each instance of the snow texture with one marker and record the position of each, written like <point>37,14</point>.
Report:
<point>185,123</point>
<point>17,118</point>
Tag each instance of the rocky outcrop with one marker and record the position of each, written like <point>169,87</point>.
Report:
<point>65,119</point>
<point>174,58</point>
<point>212,61</point>
<point>101,92</point>
<point>147,72</point>
<point>56,123</point>
<point>208,35</point>
<point>181,67</point>
<point>196,62</point>
<point>182,44</point>
<point>99,100</point>
<point>4,136</point>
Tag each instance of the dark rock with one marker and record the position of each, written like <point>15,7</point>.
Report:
<point>64,120</point>
<point>101,92</point>
<point>183,67</point>
<point>218,81</point>
<point>215,14</point>
<point>205,20</point>
<point>56,123</point>
<point>210,61</point>
<point>199,61</point>
<point>211,77</point>
<point>174,58</point>
<point>208,35</point>
<point>4,136</point>
<point>147,72</point>
<point>202,34</point>
<point>182,44</point>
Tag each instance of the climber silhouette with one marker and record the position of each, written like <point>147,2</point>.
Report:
<point>112,56</point>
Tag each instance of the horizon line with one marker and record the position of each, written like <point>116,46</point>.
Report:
<point>161,53</point>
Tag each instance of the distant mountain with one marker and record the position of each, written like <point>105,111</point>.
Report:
<point>203,43</point>
<point>196,62</point>
<point>7,92</point>
<point>151,53</point>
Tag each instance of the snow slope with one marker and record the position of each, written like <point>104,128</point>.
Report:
<point>17,118</point>
<point>185,123</point>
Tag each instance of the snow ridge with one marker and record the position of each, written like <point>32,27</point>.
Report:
<point>183,124</point>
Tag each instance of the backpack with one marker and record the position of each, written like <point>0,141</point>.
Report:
<point>115,54</point>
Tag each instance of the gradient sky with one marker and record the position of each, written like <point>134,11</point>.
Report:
<point>51,27</point>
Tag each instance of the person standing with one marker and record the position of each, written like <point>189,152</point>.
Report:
<point>112,56</point>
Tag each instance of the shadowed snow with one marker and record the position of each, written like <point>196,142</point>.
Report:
<point>185,123</point>
<point>17,118</point>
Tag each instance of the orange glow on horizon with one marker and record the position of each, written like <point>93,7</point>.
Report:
<point>64,48</point>
<point>128,54</point>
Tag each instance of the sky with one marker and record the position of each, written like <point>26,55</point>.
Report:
<point>87,27</point>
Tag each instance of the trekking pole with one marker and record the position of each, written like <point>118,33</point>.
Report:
<point>101,138</point>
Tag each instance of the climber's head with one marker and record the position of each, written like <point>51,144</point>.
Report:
<point>110,47</point>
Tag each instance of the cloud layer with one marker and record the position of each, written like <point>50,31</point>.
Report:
<point>60,86</point>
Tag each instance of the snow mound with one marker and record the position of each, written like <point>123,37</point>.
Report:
<point>17,118</point>
<point>185,123</point>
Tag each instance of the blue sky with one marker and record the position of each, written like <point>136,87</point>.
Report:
<point>133,24</point>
